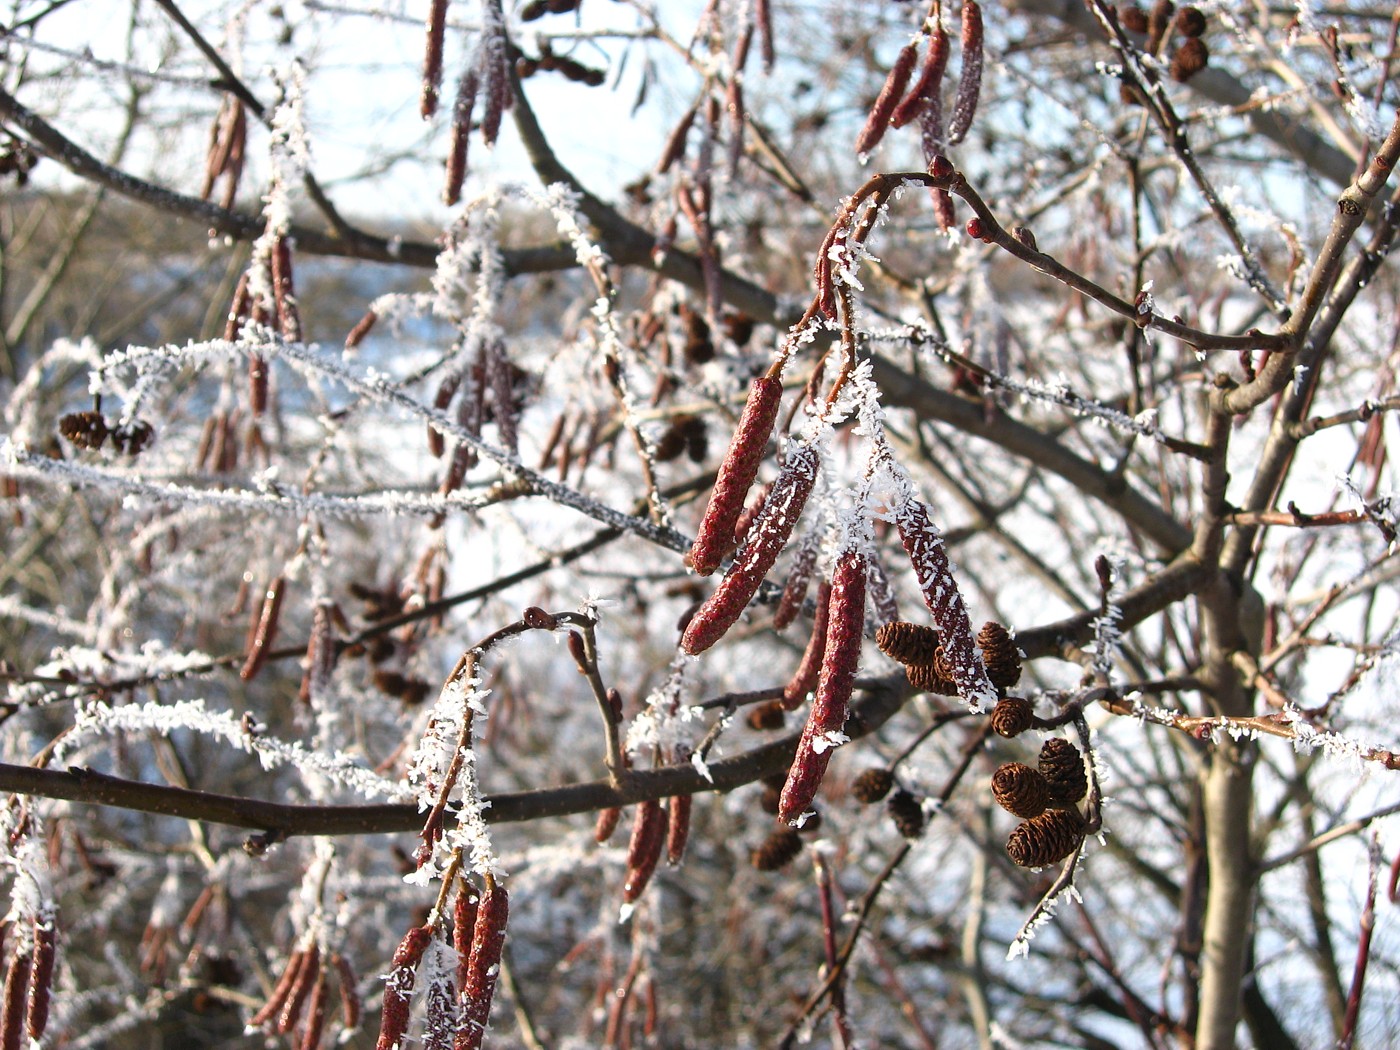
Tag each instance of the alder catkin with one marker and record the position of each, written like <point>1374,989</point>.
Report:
<point>16,1000</point>
<point>766,540</point>
<point>644,848</point>
<point>677,828</point>
<point>804,562</point>
<point>830,705</point>
<point>483,965</point>
<point>889,97</point>
<point>432,58</point>
<point>281,990</point>
<point>36,1016</point>
<point>350,1004</point>
<point>970,79</point>
<point>398,989</point>
<point>736,475</point>
<point>930,81</point>
<point>306,977</point>
<point>264,629</point>
<point>804,680</point>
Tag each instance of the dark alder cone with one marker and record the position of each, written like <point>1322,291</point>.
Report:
<point>765,541</point>
<point>1000,654</point>
<point>736,474</point>
<point>1190,58</point>
<point>777,851</point>
<point>1012,716</point>
<point>908,643</point>
<point>1062,766</point>
<point>872,785</point>
<point>1132,18</point>
<point>770,715</point>
<point>771,797</point>
<point>483,965</point>
<point>888,99</point>
<point>926,679</point>
<point>1046,839</point>
<point>907,812</point>
<point>1190,21</point>
<point>836,679</point>
<point>804,680</point>
<point>1020,790</point>
<point>134,437</point>
<point>84,429</point>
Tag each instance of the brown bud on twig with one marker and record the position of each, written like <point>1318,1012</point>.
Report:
<point>736,475</point>
<point>1063,768</point>
<point>872,785</point>
<point>677,828</point>
<point>1020,790</point>
<point>483,965</point>
<point>804,680</point>
<point>930,82</point>
<point>885,102</point>
<point>643,849</point>
<point>924,544</point>
<point>398,989</point>
<point>263,629</point>
<point>1046,839</point>
<point>907,643</point>
<point>970,79</point>
<point>1012,716</point>
<point>1000,654</point>
<point>766,539</point>
<point>1190,58</point>
<point>907,812</point>
<point>432,59</point>
<point>830,705</point>
<point>36,1016</point>
<point>778,850</point>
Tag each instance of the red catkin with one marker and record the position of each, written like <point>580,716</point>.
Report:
<point>736,474</point>
<point>970,80</point>
<point>264,629</point>
<point>924,545</point>
<point>607,824</point>
<point>765,541</point>
<point>930,80</point>
<point>838,675</point>
<point>462,109</point>
<point>432,58</point>
<point>16,1001</point>
<point>350,1005</point>
<point>483,965</point>
<point>677,828</point>
<point>463,927</point>
<point>315,1016</point>
<point>931,126</point>
<point>307,976</point>
<point>644,848</point>
<point>888,98</point>
<point>281,989</point>
<point>36,1016</point>
<point>805,678</point>
<point>398,991</point>
<point>799,576</point>
<point>238,309</point>
<point>284,291</point>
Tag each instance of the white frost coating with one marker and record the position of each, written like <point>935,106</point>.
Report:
<point>701,766</point>
<point>94,720</point>
<point>289,151</point>
<point>1021,946</point>
<point>664,722</point>
<point>828,741</point>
